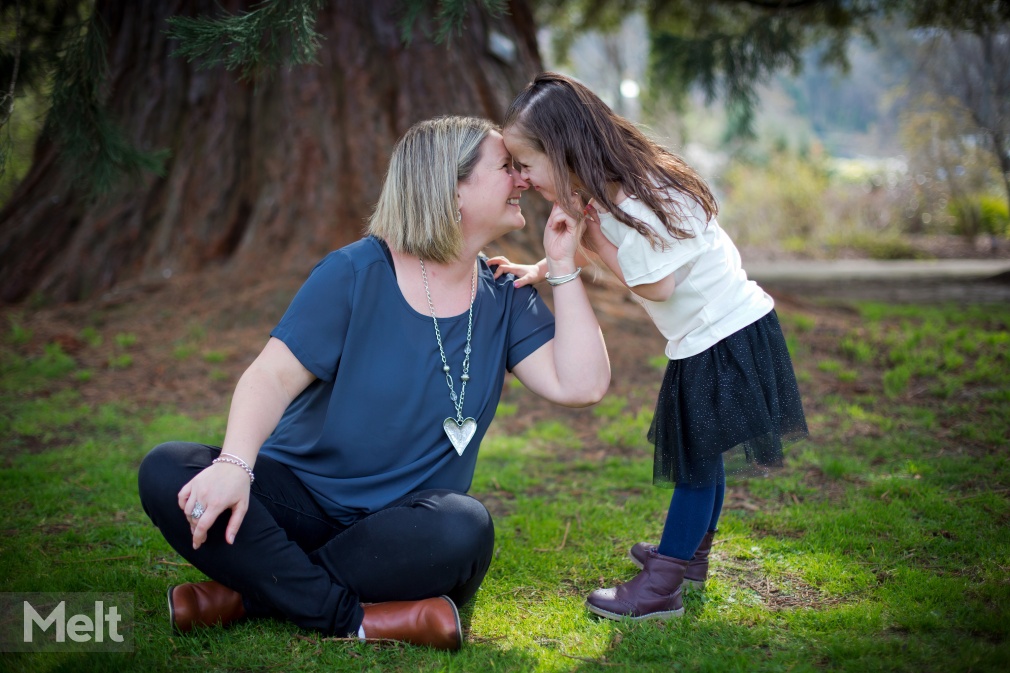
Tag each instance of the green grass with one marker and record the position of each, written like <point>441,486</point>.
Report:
<point>214,357</point>
<point>882,546</point>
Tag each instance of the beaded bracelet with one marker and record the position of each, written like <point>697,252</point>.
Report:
<point>561,280</point>
<point>235,460</point>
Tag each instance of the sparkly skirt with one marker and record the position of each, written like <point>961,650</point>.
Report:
<point>736,402</point>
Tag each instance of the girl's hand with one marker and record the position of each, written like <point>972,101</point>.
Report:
<point>218,488</point>
<point>526,274</point>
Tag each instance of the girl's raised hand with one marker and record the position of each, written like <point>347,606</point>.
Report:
<point>526,274</point>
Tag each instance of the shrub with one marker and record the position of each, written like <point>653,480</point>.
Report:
<point>980,215</point>
<point>995,215</point>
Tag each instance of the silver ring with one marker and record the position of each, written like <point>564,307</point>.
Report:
<point>198,511</point>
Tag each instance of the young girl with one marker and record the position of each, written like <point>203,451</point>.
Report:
<point>729,388</point>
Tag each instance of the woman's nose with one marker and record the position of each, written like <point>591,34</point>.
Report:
<point>520,180</point>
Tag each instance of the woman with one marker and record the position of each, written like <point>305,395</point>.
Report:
<point>352,437</point>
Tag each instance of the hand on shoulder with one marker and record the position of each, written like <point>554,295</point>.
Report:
<point>526,274</point>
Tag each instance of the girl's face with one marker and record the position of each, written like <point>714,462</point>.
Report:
<point>533,165</point>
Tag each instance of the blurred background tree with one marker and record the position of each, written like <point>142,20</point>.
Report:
<point>268,147</point>
<point>965,83</point>
<point>242,163</point>
<point>847,107</point>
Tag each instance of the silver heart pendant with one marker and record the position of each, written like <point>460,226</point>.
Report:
<point>459,434</point>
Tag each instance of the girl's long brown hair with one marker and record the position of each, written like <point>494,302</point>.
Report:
<point>581,135</point>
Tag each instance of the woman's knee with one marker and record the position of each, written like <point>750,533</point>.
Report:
<point>467,526</point>
<point>167,467</point>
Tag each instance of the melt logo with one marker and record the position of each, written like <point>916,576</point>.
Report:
<point>46,622</point>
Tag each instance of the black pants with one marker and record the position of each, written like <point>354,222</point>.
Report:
<point>291,560</point>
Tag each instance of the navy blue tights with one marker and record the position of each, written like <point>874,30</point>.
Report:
<point>693,511</point>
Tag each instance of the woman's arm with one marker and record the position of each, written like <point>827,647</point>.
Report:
<point>573,368</point>
<point>263,392</point>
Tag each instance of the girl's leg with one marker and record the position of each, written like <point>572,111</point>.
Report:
<point>691,511</point>
<point>720,495</point>
<point>656,592</point>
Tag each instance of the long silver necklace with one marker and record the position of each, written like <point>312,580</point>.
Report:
<point>459,430</point>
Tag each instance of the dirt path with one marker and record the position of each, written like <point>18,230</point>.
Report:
<point>962,281</point>
<point>188,339</point>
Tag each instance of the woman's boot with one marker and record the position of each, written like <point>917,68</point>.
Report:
<point>697,569</point>
<point>433,622</point>
<point>655,593</point>
<point>203,604</point>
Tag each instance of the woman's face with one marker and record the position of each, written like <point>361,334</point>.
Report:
<point>489,198</point>
<point>532,164</point>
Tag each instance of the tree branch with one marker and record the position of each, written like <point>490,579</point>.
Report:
<point>779,4</point>
<point>7,100</point>
<point>7,109</point>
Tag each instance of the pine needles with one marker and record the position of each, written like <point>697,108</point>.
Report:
<point>95,150</point>
<point>254,42</point>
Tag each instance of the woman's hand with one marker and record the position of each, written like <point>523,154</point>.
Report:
<point>561,240</point>
<point>218,488</point>
<point>526,274</point>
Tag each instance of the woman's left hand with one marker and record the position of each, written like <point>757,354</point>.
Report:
<point>561,238</point>
<point>219,489</point>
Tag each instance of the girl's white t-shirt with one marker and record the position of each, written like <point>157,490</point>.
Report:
<point>713,297</point>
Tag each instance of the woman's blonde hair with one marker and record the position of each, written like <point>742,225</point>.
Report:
<point>417,211</point>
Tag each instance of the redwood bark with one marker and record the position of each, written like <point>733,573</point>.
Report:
<point>264,176</point>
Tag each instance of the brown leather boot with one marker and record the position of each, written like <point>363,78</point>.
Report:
<point>203,604</point>
<point>697,569</point>
<point>655,593</point>
<point>433,622</point>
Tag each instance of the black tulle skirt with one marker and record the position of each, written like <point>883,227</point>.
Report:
<point>737,402</point>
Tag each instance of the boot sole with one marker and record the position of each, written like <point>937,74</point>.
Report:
<point>689,585</point>
<point>459,627</point>
<point>669,614</point>
<point>171,613</point>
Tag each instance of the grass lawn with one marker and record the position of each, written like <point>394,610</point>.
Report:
<point>882,546</point>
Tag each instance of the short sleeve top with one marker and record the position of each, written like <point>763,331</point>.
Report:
<point>369,429</point>
<point>713,297</point>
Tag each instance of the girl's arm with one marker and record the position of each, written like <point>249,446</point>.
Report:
<point>526,274</point>
<point>661,290</point>
<point>265,390</point>
<point>573,368</point>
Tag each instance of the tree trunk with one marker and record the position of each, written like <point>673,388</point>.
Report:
<point>263,177</point>
<point>1003,157</point>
